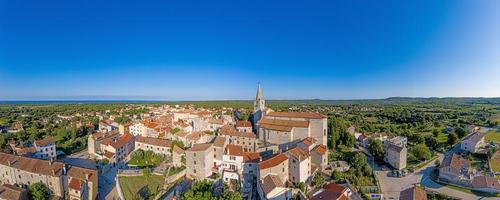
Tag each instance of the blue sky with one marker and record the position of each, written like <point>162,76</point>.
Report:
<point>197,50</point>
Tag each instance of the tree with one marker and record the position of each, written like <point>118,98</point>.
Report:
<point>200,190</point>
<point>302,187</point>
<point>452,139</point>
<point>431,142</point>
<point>230,195</point>
<point>376,148</point>
<point>146,172</point>
<point>336,175</point>
<point>318,181</point>
<point>421,152</point>
<point>38,191</point>
<point>435,132</point>
<point>460,132</point>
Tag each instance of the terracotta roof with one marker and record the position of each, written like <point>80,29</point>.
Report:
<point>238,134</point>
<point>25,150</point>
<point>82,173</point>
<point>215,121</point>
<point>101,135</point>
<point>181,134</point>
<point>271,182</point>
<point>44,142</point>
<point>153,141</point>
<point>195,135</point>
<point>308,141</point>
<point>485,182</point>
<point>414,193</point>
<point>200,147</point>
<point>125,139</point>
<point>331,191</point>
<point>455,161</point>
<point>32,165</point>
<point>178,150</point>
<point>11,192</point>
<point>150,124</point>
<point>243,124</point>
<point>219,141</point>
<point>298,153</point>
<point>227,129</point>
<point>75,184</point>
<point>320,149</point>
<point>273,161</point>
<point>251,157</point>
<point>108,154</point>
<point>282,125</point>
<point>308,115</point>
<point>234,150</point>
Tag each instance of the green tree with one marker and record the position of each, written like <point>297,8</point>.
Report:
<point>460,132</point>
<point>336,175</point>
<point>421,152</point>
<point>38,191</point>
<point>146,172</point>
<point>435,132</point>
<point>377,149</point>
<point>230,195</point>
<point>200,190</point>
<point>318,181</point>
<point>452,139</point>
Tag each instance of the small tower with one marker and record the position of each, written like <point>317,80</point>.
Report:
<point>258,108</point>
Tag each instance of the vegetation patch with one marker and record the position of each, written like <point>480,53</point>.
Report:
<point>145,158</point>
<point>141,187</point>
<point>492,136</point>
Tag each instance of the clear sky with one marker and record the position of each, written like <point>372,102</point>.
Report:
<point>202,50</point>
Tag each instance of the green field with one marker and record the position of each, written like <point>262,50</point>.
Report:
<point>492,136</point>
<point>138,187</point>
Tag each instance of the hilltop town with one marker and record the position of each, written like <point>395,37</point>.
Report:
<point>301,151</point>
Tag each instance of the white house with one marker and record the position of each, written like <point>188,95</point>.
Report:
<point>473,142</point>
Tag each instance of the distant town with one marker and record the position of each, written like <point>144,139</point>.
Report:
<point>313,150</point>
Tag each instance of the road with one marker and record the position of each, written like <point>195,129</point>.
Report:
<point>392,186</point>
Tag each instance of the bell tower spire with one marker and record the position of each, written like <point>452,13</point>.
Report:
<point>259,105</point>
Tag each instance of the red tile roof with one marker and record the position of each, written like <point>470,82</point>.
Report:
<point>271,182</point>
<point>200,147</point>
<point>153,141</point>
<point>32,165</point>
<point>251,157</point>
<point>331,191</point>
<point>486,182</point>
<point>282,125</point>
<point>46,141</point>
<point>178,150</point>
<point>307,115</point>
<point>308,141</point>
<point>219,141</point>
<point>414,193</point>
<point>320,149</point>
<point>122,141</point>
<point>75,184</point>
<point>12,192</point>
<point>298,153</point>
<point>273,161</point>
<point>108,154</point>
<point>243,124</point>
<point>234,150</point>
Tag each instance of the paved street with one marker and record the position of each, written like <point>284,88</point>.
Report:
<point>392,186</point>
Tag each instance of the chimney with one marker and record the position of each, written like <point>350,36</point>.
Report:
<point>87,176</point>
<point>8,162</point>
<point>53,172</point>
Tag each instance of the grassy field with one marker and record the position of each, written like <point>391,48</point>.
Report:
<point>137,187</point>
<point>442,138</point>
<point>492,136</point>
